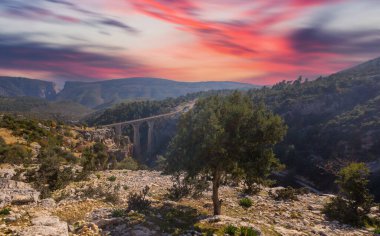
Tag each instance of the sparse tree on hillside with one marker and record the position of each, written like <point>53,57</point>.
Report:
<point>354,200</point>
<point>221,135</point>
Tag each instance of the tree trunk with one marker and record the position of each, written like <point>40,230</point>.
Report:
<point>215,193</point>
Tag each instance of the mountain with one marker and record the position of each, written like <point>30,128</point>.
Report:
<point>113,91</point>
<point>20,87</point>
<point>43,109</point>
<point>332,121</point>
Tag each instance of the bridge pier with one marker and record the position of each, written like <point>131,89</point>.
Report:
<point>150,136</point>
<point>136,139</point>
<point>118,131</point>
<point>136,129</point>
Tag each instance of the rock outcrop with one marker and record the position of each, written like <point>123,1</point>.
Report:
<point>44,224</point>
<point>17,193</point>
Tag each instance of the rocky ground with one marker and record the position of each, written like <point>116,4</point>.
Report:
<point>97,207</point>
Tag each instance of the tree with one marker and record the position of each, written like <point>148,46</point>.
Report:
<point>220,136</point>
<point>354,200</point>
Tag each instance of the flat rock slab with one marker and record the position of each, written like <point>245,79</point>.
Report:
<point>18,193</point>
<point>46,226</point>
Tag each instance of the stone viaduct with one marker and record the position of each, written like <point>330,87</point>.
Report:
<point>136,129</point>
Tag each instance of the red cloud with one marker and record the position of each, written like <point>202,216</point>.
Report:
<point>253,37</point>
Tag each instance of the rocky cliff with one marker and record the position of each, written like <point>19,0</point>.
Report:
<point>23,87</point>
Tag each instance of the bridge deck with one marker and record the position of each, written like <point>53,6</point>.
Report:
<point>181,109</point>
<point>142,119</point>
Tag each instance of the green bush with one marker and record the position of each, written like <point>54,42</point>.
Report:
<point>112,178</point>
<point>14,154</point>
<point>118,213</point>
<point>138,201</point>
<point>105,192</point>
<point>353,203</point>
<point>5,211</point>
<point>376,231</point>
<point>230,230</point>
<point>288,194</point>
<point>245,202</point>
<point>178,191</point>
<point>181,188</point>
<point>51,176</point>
<point>248,231</point>
<point>127,164</point>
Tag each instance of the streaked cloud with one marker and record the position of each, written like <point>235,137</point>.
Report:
<point>255,41</point>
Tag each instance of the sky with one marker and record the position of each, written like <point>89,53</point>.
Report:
<point>253,41</point>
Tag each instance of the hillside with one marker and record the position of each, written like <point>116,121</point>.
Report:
<point>113,91</point>
<point>20,87</point>
<point>332,121</point>
<point>43,109</point>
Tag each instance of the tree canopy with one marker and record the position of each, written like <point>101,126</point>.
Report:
<point>224,135</point>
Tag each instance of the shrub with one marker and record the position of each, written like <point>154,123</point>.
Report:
<point>252,189</point>
<point>118,213</point>
<point>248,231</point>
<point>127,164</point>
<point>50,176</point>
<point>112,178</point>
<point>288,194</point>
<point>178,191</point>
<point>230,230</point>
<point>111,197</point>
<point>138,201</point>
<point>125,187</point>
<point>14,154</point>
<point>376,231</point>
<point>245,202</point>
<point>353,203</point>
<point>187,187</point>
<point>103,192</point>
<point>5,211</point>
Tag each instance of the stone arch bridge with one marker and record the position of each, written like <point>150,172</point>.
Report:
<point>150,121</point>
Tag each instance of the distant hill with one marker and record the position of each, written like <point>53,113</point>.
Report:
<point>19,87</point>
<point>43,109</point>
<point>332,121</point>
<point>114,91</point>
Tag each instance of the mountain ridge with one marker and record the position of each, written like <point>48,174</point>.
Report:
<point>20,87</point>
<point>100,93</point>
<point>93,94</point>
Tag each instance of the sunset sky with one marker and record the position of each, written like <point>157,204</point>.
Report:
<point>260,42</point>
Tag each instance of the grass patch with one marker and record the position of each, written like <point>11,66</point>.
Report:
<point>5,211</point>
<point>231,230</point>
<point>245,202</point>
<point>112,178</point>
<point>77,211</point>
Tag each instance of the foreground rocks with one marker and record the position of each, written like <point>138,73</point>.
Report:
<point>45,225</point>
<point>98,207</point>
<point>17,193</point>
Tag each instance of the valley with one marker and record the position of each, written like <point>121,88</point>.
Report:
<point>79,166</point>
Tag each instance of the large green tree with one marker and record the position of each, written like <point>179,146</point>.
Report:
<point>223,135</point>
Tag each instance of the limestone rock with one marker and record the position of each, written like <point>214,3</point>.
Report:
<point>18,193</point>
<point>45,226</point>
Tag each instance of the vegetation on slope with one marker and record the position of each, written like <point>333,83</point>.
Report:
<point>332,121</point>
<point>42,109</point>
